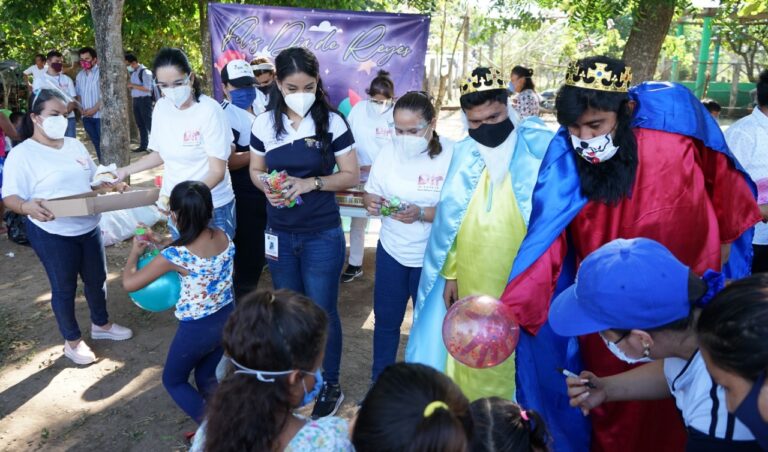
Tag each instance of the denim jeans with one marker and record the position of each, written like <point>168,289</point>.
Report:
<point>64,258</point>
<point>142,112</point>
<point>223,218</point>
<point>311,263</point>
<point>92,127</point>
<point>71,128</point>
<point>196,346</point>
<point>394,284</point>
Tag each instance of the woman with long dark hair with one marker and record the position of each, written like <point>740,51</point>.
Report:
<point>191,137</point>
<point>49,165</point>
<point>306,137</point>
<point>526,101</point>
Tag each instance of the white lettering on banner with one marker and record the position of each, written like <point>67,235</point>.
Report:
<point>366,45</point>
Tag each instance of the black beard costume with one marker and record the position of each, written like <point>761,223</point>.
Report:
<point>610,181</point>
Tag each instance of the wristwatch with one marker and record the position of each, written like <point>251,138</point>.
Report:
<point>318,183</point>
<point>421,214</point>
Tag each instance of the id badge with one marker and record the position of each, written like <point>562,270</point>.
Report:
<point>270,246</point>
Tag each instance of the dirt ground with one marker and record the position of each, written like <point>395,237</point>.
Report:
<point>118,403</point>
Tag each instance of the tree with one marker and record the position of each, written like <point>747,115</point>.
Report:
<point>107,20</point>
<point>652,19</point>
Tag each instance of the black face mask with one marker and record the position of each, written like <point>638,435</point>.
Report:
<point>492,135</point>
<point>265,89</point>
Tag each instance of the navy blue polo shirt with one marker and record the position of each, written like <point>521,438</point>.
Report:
<point>301,154</point>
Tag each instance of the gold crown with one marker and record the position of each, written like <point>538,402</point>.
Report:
<point>599,78</point>
<point>474,83</point>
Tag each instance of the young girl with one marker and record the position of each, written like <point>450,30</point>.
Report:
<point>275,371</point>
<point>203,256</point>
<point>413,407</point>
<point>306,137</point>
<point>501,425</point>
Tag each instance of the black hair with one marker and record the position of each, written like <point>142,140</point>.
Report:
<point>500,426</point>
<point>131,57</point>
<point>36,105</point>
<point>612,180</point>
<point>169,56</point>
<point>15,116</point>
<point>392,416</point>
<point>300,60</point>
<point>382,84</point>
<point>89,50</point>
<point>192,203</point>
<point>527,74</point>
<point>40,56</point>
<point>469,101</point>
<point>246,413</point>
<point>711,105</point>
<point>733,328</point>
<point>762,88</point>
<point>420,102</point>
<point>697,288</point>
<point>54,53</point>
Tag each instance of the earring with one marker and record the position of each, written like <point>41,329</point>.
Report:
<point>646,351</point>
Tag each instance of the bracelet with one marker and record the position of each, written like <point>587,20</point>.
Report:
<point>21,207</point>
<point>421,214</point>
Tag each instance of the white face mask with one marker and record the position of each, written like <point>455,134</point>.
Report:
<point>54,127</point>
<point>129,68</point>
<point>178,95</point>
<point>300,103</point>
<point>595,150</point>
<point>614,348</point>
<point>410,146</point>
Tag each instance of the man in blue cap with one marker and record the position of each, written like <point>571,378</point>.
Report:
<point>644,303</point>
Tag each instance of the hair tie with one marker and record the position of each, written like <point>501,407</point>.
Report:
<point>715,283</point>
<point>524,415</point>
<point>429,410</point>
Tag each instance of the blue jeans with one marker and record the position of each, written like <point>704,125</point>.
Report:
<point>92,127</point>
<point>71,128</point>
<point>311,263</point>
<point>224,218</point>
<point>64,258</point>
<point>196,346</point>
<point>394,284</point>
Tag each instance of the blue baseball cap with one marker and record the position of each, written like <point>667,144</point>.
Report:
<point>624,284</point>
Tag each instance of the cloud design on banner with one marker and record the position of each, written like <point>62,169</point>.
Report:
<point>325,27</point>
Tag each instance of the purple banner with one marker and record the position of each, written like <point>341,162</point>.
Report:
<point>351,46</point>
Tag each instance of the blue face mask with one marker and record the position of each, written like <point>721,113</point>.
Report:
<point>310,396</point>
<point>243,97</point>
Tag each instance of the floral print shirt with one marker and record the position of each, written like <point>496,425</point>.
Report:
<point>527,103</point>
<point>207,287</point>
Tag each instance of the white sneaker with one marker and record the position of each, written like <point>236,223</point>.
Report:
<point>115,333</point>
<point>82,354</point>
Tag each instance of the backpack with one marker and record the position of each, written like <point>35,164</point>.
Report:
<point>155,95</point>
<point>17,229</point>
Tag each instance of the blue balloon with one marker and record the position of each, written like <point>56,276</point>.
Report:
<point>160,294</point>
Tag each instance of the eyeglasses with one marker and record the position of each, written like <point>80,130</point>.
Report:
<point>616,342</point>
<point>175,84</point>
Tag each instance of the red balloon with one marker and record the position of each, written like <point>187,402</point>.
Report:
<point>480,331</point>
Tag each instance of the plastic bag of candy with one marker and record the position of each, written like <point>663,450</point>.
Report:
<point>276,183</point>
<point>392,206</point>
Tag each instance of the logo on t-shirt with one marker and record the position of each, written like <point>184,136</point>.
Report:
<point>430,183</point>
<point>83,162</point>
<point>191,138</point>
<point>312,143</point>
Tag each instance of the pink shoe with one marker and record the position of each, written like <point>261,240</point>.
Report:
<point>81,354</point>
<point>115,333</point>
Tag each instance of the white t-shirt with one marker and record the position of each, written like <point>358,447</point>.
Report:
<point>36,72</point>
<point>186,139</point>
<point>62,81</point>
<point>372,131</point>
<point>697,395</point>
<point>417,180</point>
<point>748,140</point>
<point>260,102</point>
<point>34,170</point>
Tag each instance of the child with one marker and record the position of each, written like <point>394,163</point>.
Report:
<point>500,425</point>
<point>644,303</point>
<point>413,407</point>
<point>203,257</point>
<point>275,341</point>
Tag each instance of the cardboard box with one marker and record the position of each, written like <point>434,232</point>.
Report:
<point>92,203</point>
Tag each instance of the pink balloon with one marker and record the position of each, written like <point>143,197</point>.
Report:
<point>480,331</point>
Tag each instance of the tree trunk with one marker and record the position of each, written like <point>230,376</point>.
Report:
<point>649,28</point>
<point>115,139</point>
<point>205,47</point>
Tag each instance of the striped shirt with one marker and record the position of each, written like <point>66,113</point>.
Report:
<point>87,86</point>
<point>702,402</point>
